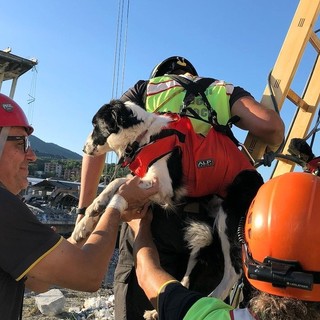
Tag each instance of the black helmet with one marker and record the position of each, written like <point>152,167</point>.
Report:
<point>173,63</point>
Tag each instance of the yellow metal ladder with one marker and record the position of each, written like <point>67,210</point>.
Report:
<point>300,33</point>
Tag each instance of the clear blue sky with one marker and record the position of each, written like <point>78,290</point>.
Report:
<point>74,42</point>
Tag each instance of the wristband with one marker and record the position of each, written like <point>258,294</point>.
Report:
<point>81,210</point>
<point>118,202</point>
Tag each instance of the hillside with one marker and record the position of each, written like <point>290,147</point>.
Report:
<point>52,150</point>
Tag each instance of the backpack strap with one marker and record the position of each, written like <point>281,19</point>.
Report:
<point>198,88</point>
<point>194,89</point>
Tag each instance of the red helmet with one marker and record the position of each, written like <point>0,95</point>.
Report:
<point>282,239</point>
<point>173,63</point>
<point>11,115</point>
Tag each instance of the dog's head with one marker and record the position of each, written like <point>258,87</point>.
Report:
<point>110,119</point>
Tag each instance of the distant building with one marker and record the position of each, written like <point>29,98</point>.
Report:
<point>53,168</point>
<point>73,174</point>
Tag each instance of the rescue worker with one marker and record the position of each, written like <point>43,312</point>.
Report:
<point>32,254</point>
<point>280,243</point>
<point>164,93</point>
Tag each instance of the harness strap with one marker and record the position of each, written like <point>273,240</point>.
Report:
<point>131,150</point>
<point>194,115</point>
<point>194,89</point>
<point>167,140</point>
<point>169,132</point>
<point>227,129</point>
<point>198,88</point>
<point>151,152</point>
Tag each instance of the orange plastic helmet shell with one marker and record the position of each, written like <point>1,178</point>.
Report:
<point>283,223</point>
<point>11,114</point>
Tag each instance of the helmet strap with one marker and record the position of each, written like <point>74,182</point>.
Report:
<point>3,138</point>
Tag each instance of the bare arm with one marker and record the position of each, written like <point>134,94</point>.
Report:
<point>84,268</point>
<point>263,123</point>
<point>151,276</point>
<point>91,170</point>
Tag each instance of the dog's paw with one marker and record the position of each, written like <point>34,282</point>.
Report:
<point>97,207</point>
<point>150,315</point>
<point>185,281</point>
<point>84,227</point>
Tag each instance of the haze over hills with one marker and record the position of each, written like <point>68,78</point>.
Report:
<point>52,150</point>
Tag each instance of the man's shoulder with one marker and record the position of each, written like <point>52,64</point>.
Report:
<point>136,93</point>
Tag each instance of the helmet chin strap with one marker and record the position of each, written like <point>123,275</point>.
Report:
<point>3,138</point>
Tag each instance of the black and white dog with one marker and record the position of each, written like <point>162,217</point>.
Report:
<point>133,134</point>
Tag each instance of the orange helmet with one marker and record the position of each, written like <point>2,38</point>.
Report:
<point>11,115</point>
<point>282,239</point>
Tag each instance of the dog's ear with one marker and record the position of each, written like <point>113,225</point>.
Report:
<point>116,115</point>
<point>124,115</point>
<point>105,120</point>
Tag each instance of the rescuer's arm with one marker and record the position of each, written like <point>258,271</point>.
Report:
<point>263,123</point>
<point>91,171</point>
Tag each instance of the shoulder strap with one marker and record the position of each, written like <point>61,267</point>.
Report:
<point>193,89</point>
<point>198,88</point>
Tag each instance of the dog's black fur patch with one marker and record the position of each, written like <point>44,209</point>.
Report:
<point>115,116</point>
<point>208,272</point>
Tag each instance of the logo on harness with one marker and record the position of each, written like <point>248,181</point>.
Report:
<point>205,163</point>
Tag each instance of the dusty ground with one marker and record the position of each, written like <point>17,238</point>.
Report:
<point>73,299</point>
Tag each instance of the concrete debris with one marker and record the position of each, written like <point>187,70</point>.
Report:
<point>98,308</point>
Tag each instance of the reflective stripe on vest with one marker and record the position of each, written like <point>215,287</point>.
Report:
<point>241,314</point>
<point>166,95</point>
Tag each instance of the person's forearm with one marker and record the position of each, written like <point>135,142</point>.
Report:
<point>151,276</point>
<point>273,135</point>
<point>263,123</point>
<point>87,265</point>
<point>91,170</point>
<point>100,245</point>
<point>36,285</point>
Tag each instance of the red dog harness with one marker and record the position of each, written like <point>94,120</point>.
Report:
<point>209,163</point>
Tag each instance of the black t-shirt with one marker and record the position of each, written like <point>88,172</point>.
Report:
<point>175,301</point>
<point>23,241</point>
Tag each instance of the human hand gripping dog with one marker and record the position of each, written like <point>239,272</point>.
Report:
<point>132,195</point>
<point>133,205</point>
